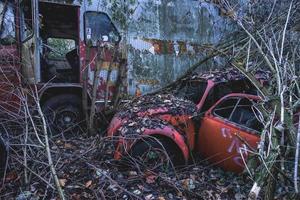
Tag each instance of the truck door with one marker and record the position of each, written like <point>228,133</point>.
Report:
<point>29,32</point>
<point>99,30</point>
<point>228,131</point>
<point>9,58</point>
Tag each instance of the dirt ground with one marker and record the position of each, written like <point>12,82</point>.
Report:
<point>87,170</point>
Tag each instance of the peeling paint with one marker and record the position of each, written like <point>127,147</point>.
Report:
<point>166,37</point>
<point>179,32</point>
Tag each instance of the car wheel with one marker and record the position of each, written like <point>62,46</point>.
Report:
<point>3,157</point>
<point>63,114</point>
<point>153,154</point>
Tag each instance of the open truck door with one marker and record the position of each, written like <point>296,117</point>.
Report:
<point>9,68</point>
<point>101,38</point>
<point>30,41</point>
<point>50,42</point>
<point>100,72</point>
<point>9,58</point>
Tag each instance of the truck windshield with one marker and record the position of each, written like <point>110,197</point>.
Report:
<point>7,21</point>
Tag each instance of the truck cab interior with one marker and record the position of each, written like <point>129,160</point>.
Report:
<point>59,38</point>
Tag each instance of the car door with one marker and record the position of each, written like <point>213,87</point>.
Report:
<point>229,130</point>
<point>29,39</point>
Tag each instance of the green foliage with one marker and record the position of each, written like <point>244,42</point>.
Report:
<point>80,1</point>
<point>72,1</point>
<point>122,11</point>
<point>59,47</point>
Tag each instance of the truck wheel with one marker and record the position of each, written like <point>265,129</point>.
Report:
<point>63,114</point>
<point>155,155</point>
<point>3,157</point>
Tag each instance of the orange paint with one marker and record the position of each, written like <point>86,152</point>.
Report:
<point>223,144</point>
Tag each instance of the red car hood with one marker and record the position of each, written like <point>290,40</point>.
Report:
<point>152,106</point>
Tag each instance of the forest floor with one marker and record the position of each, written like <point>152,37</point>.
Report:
<point>87,170</point>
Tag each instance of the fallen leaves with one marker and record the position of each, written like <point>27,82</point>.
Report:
<point>11,176</point>
<point>68,146</point>
<point>132,173</point>
<point>88,184</point>
<point>151,179</point>
<point>188,184</point>
<point>62,182</point>
<point>80,181</point>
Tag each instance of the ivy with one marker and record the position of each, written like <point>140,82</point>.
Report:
<point>122,11</point>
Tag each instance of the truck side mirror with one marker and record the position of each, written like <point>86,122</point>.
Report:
<point>99,27</point>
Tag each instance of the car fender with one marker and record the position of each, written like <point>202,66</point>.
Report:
<point>133,130</point>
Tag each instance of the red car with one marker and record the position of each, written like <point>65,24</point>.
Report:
<point>211,114</point>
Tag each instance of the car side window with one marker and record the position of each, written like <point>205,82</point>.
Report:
<point>239,111</point>
<point>225,108</point>
<point>216,93</point>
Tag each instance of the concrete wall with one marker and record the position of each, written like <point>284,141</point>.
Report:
<point>166,37</point>
<point>181,27</point>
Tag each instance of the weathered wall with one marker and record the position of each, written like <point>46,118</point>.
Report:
<point>181,27</point>
<point>165,38</point>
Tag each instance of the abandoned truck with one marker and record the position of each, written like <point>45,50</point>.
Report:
<point>53,45</point>
<point>210,113</point>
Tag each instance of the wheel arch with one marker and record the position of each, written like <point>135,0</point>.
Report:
<point>169,133</point>
<point>179,144</point>
<point>54,90</point>
<point>173,136</point>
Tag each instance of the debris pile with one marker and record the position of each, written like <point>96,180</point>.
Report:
<point>138,125</point>
<point>157,104</point>
<point>87,170</point>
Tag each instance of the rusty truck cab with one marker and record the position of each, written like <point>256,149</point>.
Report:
<point>54,29</point>
<point>45,43</point>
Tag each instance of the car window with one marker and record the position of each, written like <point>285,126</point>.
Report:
<point>7,20</point>
<point>225,108</point>
<point>217,92</point>
<point>57,48</point>
<point>191,90</point>
<point>240,111</point>
<point>222,89</point>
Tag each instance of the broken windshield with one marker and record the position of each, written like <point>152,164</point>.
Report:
<point>99,28</point>
<point>192,90</point>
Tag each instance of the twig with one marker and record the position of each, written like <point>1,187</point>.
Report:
<point>113,181</point>
<point>296,165</point>
<point>48,151</point>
